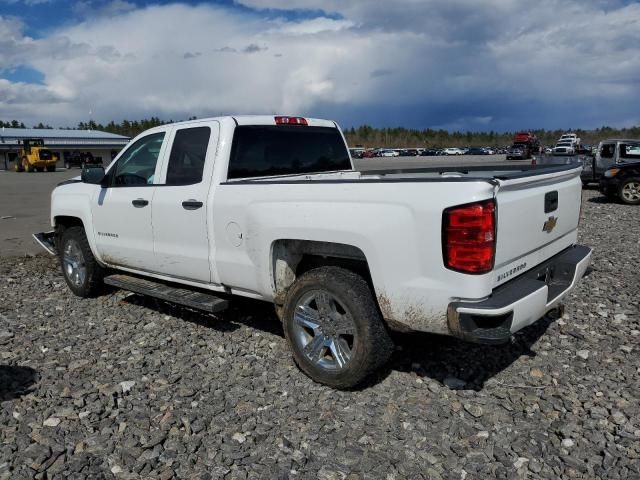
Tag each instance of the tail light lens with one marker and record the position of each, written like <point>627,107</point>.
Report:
<point>469,237</point>
<point>291,121</point>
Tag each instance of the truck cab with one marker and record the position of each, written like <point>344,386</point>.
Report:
<point>610,153</point>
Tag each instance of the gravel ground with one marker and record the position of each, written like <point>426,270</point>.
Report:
<point>126,387</point>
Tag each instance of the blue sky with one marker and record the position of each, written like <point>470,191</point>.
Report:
<point>457,64</point>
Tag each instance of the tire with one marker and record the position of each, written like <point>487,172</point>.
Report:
<point>629,191</point>
<point>341,351</point>
<point>79,267</point>
<point>26,166</point>
<point>18,166</point>
<point>51,169</point>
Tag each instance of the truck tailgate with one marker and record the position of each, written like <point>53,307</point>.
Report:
<point>537,217</point>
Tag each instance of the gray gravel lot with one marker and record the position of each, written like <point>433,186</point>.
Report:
<point>123,386</point>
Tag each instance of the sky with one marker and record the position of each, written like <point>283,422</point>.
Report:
<point>475,65</point>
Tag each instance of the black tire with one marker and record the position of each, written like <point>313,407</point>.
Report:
<point>18,166</point>
<point>370,346</point>
<point>51,168</point>
<point>73,240</point>
<point>629,191</point>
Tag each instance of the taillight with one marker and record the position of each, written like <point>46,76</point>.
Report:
<point>469,237</point>
<point>291,121</point>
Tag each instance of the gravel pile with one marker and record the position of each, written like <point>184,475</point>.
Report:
<point>126,387</point>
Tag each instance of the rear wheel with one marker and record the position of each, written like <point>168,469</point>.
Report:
<point>629,191</point>
<point>79,267</point>
<point>334,328</point>
<point>51,168</point>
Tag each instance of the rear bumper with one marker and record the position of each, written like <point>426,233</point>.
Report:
<point>520,302</point>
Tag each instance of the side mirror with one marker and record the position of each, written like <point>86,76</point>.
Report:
<point>93,175</point>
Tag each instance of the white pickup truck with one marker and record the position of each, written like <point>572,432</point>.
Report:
<point>271,208</point>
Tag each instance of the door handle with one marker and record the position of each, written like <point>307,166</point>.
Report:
<point>191,204</point>
<point>140,202</point>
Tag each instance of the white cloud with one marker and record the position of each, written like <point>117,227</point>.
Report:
<point>460,59</point>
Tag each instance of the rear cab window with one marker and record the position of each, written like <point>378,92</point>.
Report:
<point>267,150</point>
<point>630,151</point>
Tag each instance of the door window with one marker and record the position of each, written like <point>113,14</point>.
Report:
<point>607,150</point>
<point>137,165</point>
<point>188,154</point>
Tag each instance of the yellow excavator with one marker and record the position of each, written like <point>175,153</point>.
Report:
<point>35,157</point>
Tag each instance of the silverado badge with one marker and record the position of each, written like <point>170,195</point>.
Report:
<point>550,224</point>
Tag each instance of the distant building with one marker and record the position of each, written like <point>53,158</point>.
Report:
<point>67,143</point>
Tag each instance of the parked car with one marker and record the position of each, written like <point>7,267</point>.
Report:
<point>271,208</point>
<point>429,152</point>
<point>518,151</point>
<point>389,153</point>
<point>356,152</point>
<point>80,159</point>
<point>622,182</point>
<point>452,151</point>
<point>610,153</point>
<point>476,151</point>
<point>564,147</point>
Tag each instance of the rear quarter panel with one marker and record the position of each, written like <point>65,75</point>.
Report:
<point>397,225</point>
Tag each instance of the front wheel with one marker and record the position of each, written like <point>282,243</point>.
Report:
<point>79,267</point>
<point>629,191</point>
<point>334,327</point>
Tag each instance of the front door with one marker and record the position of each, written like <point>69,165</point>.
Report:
<point>180,209</point>
<point>122,210</point>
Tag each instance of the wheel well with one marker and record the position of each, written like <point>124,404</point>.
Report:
<point>63,222</point>
<point>292,258</point>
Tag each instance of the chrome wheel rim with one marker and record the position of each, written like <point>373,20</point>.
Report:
<point>631,191</point>
<point>324,330</point>
<point>74,266</point>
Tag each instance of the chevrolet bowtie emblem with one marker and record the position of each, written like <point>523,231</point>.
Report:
<point>550,224</point>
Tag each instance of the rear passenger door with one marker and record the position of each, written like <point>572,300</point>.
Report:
<point>180,214</point>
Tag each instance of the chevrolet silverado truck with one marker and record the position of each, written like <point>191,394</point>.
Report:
<point>271,208</point>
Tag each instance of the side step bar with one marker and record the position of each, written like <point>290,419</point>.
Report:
<point>47,241</point>
<point>198,300</point>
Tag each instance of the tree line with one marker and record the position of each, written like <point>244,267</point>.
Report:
<point>368,136</point>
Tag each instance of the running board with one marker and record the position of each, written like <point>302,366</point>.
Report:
<point>47,241</point>
<point>198,300</point>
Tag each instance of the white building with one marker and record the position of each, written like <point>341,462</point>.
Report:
<point>67,143</point>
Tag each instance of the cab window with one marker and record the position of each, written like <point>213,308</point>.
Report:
<point>608,150</point>
<point>137,165</point>
<point>630,151</point>
<point>188,154</point>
